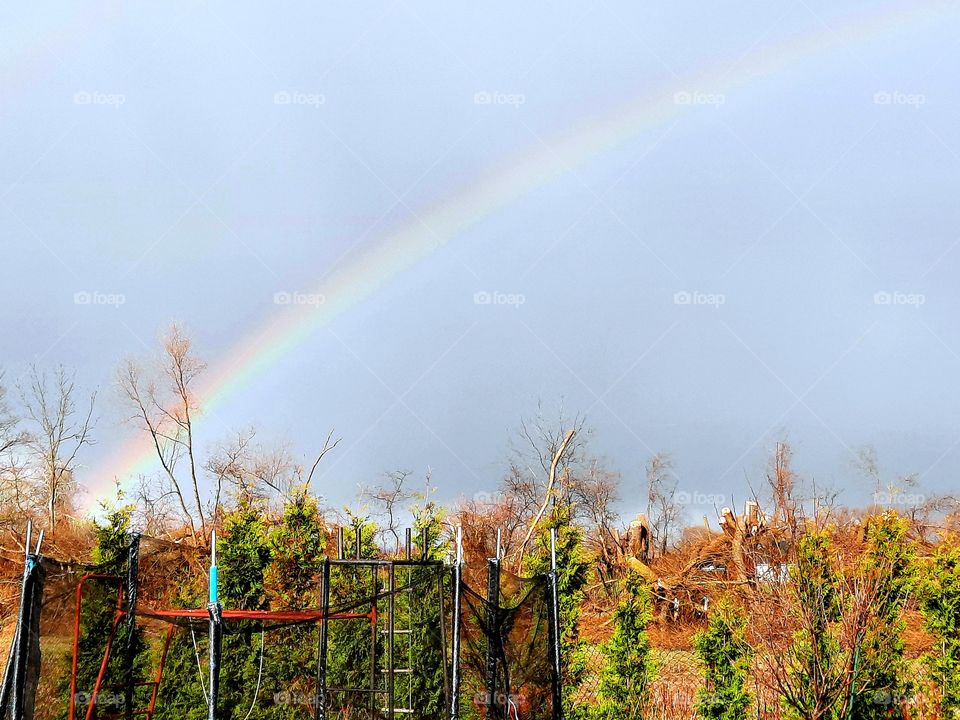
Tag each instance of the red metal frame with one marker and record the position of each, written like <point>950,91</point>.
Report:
<point>278,615</point>
<point>120,613</point>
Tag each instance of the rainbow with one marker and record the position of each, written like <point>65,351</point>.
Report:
<point>401,249</point>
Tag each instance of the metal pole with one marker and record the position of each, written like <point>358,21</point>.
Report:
<point>215,642</point>
<point>391,606</point>
<point>493,635</point>
<point>320,712</point>
<point>554,630</point>
<point>455,673</point>
<point>853,681</point>
<point>373,636</point>
<point>409,540</point>
<point>21,641</point>
<point>10,668</point>
<point>133,581</point>
<point>553,549</point>
<point>8,672</point>
<point>215,611</point>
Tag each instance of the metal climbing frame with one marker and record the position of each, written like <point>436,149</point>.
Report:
<point>121,612</point>
<point>392,627</point>
<point>390,602</point>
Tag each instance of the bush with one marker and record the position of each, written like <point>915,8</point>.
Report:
<point>940,603</point>
<point>573,574</point>
<point>883,673</point>
<point>725,654</point>
<point>628,668</point>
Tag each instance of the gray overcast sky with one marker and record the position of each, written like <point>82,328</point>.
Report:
<point>776,256</point>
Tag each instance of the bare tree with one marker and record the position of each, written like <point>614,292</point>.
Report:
<point>61,429</point>
<point>782,481</point>
<point>329,444</point>
<point>549,466</point>
<point>230,464</point>
<point>895,492</point>
<point>595,495</point>
<point>559,457</point>
<point>543,440</point>
<point>387,498</point>
<point>869,466</point>
<point>530,462</point>
<point>165,406</point>
<point>16,490</point>
<point>11,435</point>
<point>252,470</point>
<point>663,509</point>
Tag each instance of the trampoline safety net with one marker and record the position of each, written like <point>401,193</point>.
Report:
<point>506,649</point>
<point>372,639</point>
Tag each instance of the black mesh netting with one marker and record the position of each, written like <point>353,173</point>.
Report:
<point>506,646</point>
<point>387,653</point>
<point>21,674</point>
<point>52,689</point>
<point>156,667</point>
